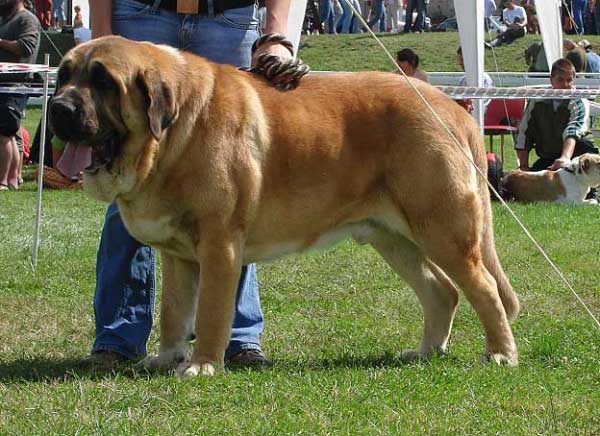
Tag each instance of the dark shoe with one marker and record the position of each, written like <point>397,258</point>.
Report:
<point>248,359</point>
<point>103,360</point>
<point>487,45</point>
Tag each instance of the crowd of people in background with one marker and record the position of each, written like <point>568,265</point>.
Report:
<point>397,16</point>
<point>337,16</point>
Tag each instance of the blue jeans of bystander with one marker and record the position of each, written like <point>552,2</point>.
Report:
<point>379,16</point>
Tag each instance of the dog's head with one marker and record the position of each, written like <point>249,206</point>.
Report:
<point>115,97</point>
<point>587,169</point>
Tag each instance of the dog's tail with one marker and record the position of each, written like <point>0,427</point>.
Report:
<point>509,298</point>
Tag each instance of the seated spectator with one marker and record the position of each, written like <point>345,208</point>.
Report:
<point>515,19</point>
<point>556,129</point>
<point>467,103</point>
<point>535,58</point>
<point>577,58</point>
<point>592,60</point>
<point>408,60</point>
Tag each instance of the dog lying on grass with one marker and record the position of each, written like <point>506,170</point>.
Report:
<point>568,185</point>
<point>217,168</point>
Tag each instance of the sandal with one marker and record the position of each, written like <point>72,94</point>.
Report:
<point>4,187</point>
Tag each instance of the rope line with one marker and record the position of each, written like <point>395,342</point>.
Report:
<point>469,158</point>
<point>519,92</point>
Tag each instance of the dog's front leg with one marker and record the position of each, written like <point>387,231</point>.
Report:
<point>177,312</point>
<point>220,268</point>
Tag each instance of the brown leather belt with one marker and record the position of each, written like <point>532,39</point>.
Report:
<point>219,5</point>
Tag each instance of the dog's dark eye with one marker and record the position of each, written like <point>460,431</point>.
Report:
<point>101,80</point>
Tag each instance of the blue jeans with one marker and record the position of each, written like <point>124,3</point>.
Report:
<point>579,7</point>
<point>419,23</point>
<point>379,16</point>
<point>58,10</point>
<point>328,16</point>
<point>350,24</point>
<point>125,268</point>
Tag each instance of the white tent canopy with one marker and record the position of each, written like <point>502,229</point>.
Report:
<point>469,14</point>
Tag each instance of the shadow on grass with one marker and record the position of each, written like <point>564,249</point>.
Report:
<point>387,360</point>
<point>48,369</point>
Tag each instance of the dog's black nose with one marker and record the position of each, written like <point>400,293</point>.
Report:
<point>63,111</point>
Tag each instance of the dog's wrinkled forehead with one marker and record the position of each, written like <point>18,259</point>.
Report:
<point>98,62</point>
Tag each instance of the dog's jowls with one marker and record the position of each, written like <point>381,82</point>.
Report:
<point>217,168</point>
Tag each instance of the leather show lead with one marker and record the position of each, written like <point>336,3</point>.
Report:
<point>285,75</point>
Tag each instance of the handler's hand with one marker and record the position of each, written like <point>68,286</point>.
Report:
<point>274,49</point>
<point>559,163</point>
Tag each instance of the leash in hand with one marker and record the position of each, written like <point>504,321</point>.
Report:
<point>285,75</point>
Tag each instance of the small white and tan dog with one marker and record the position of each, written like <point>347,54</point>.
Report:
<point>569,185</point>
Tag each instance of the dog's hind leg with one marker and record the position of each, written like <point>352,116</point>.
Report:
<point>178,311</point>
<point>455,246</point>
<point>436,293</point>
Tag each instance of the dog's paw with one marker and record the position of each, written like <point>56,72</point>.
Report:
<point>500,359</point>
<point>189,369</point>
<point>165,360</point>
<point>410,356</point>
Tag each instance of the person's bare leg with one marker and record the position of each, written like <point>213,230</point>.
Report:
<point>6,158</point>
<point>13,170</point>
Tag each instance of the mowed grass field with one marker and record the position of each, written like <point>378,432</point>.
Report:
<point>335,321</point>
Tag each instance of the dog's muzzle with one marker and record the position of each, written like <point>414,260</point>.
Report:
<point>68,121</point>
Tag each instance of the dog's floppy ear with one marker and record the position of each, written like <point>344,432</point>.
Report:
<point>161,107</point>
<point>585,164</point>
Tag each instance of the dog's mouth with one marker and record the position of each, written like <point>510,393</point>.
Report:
<point>103,155</point>
<point>89,158</point>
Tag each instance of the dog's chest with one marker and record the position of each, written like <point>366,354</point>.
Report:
<point>163,232</point>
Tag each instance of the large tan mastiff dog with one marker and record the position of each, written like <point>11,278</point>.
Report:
<point>217,168</point>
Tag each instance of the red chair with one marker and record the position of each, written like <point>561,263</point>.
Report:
<point>502,117</point>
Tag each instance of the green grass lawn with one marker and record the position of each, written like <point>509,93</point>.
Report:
<point>335,321</point>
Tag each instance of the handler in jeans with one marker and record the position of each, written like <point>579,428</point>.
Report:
<point>222,31</point>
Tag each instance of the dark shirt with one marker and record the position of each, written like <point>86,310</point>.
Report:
<point>23,27</point>
<point>545,125</point>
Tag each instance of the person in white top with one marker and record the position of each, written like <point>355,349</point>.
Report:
<point>515,20</point>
